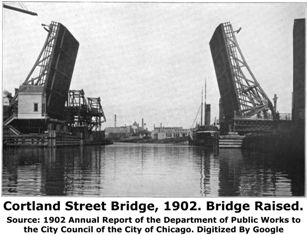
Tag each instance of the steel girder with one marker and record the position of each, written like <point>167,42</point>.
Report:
<point>78,109</point>
<point>39,71</point>
<point>96,111</point>
<point>84,111</point>
<point>248,98</point>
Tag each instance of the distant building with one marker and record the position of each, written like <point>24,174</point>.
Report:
<point>116,133</point>
<point>135,128</point>
<point>134,131</point>
<point>160,133</point>
<point>139,130</point>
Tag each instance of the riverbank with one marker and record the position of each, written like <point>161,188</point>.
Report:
<point>179,140</point>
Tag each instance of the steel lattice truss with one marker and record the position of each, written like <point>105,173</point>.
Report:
<point>77,99</point>
<point>251,98</point>
<point>38,73</point>
<point>97,114</point>
<point>78,109</point>
<point>83,111</point>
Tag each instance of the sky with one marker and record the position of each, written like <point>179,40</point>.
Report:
<point>151,60</point>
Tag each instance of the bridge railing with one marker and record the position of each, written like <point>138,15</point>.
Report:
<point>279,116</point>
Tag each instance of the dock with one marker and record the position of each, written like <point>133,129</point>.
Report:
<point>53,139</point>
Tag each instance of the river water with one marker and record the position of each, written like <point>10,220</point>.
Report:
<point>148,170</point>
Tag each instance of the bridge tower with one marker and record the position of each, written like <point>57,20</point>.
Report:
<point>39,103</point>
<point>245,105</point>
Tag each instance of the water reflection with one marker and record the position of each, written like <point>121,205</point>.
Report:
<point>148,170</point>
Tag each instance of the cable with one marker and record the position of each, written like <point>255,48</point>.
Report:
<point>196,116</point>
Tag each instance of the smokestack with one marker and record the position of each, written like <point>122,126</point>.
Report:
<point>142,123</point>
<point>275,102</point>
<point>114,120</point>
<point>207,114</point>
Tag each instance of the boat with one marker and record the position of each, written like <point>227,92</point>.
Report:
<point>205,135</point>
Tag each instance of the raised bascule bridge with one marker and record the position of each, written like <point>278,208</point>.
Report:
<point>244,106</point>
<point>44,103</point>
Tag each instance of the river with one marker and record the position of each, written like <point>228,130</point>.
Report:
<point>148,170</point>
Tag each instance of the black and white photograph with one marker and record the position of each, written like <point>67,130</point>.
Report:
<point>153,99</point>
